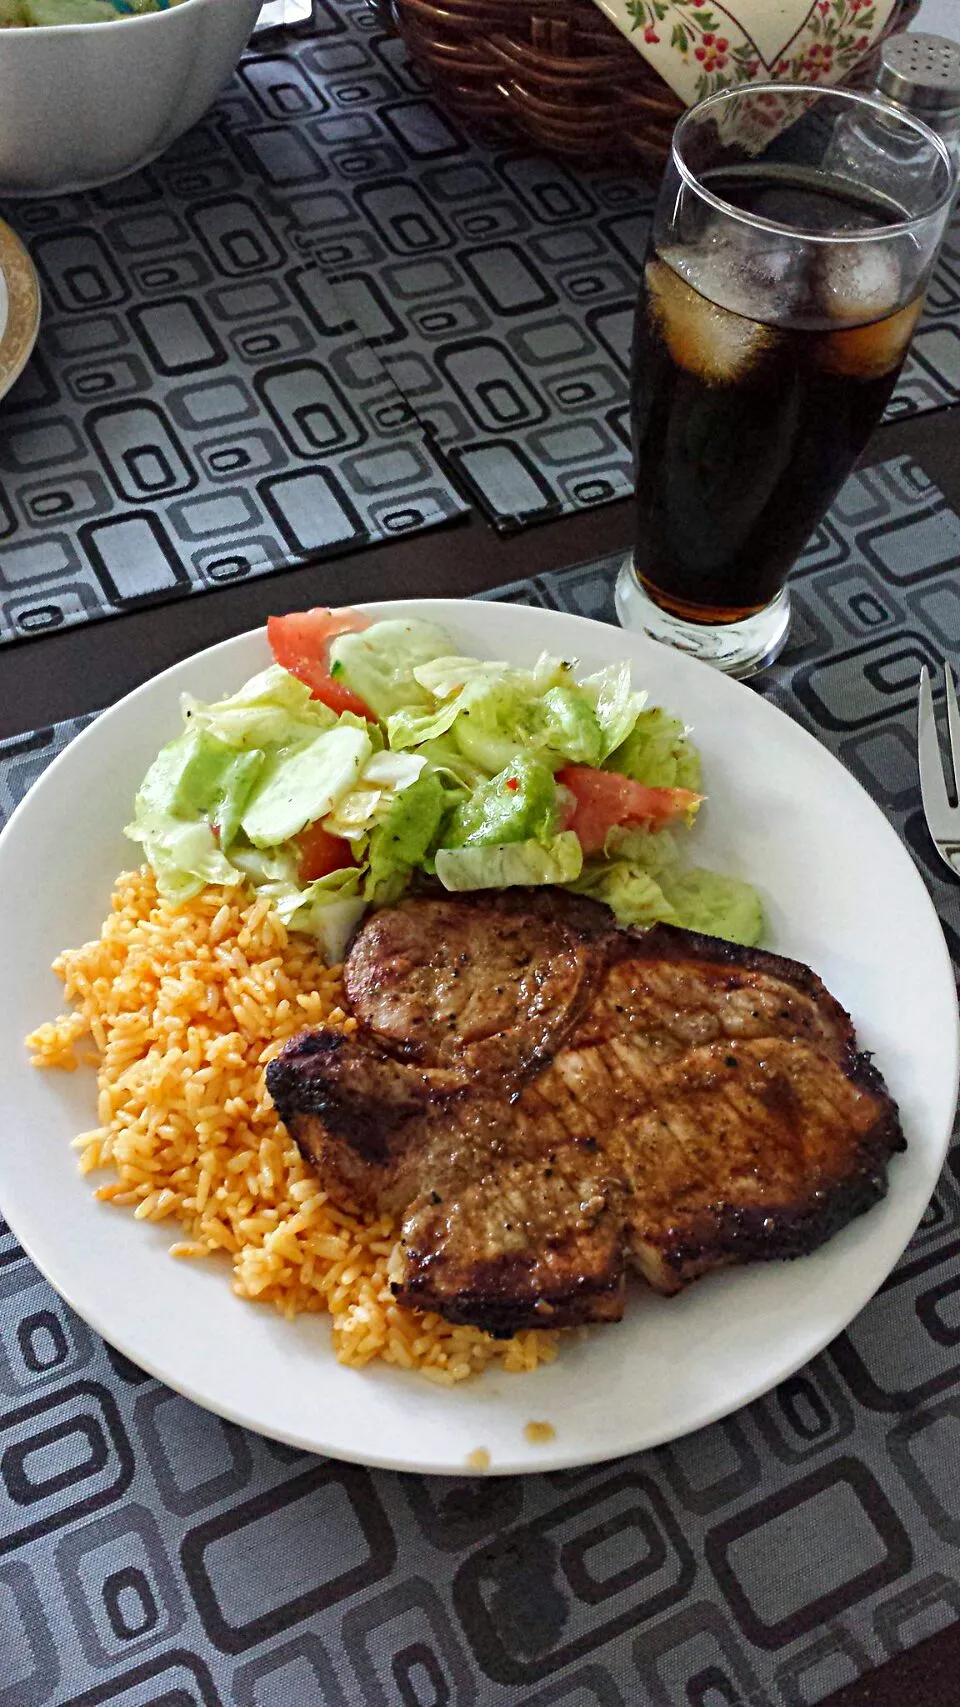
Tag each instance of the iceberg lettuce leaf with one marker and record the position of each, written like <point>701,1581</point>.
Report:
<point>183,854</point>
<point>615,703</point>
<point>272,709</point>
<point>504,865</point>
<point>658,752</point>
<point>329,910</point>
<point>716,905</point>
<point>379,663</point>
<point>634,895</point>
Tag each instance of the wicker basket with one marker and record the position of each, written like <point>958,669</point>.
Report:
<point>556,73</point>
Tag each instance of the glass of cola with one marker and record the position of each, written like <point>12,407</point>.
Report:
<point>785,274</point>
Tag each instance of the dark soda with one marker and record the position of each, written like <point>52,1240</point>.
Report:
<point>745,428</point>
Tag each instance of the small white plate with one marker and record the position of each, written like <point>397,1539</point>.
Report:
<point>841,893</point>
<point>19,308</point>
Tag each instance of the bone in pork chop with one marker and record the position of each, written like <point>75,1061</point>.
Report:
<point>548,1103</point>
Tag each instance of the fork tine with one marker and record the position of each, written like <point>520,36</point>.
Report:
<point>933,789</point>
<point>953,726</point>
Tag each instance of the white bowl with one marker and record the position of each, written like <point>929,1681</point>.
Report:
<point>83,103</point>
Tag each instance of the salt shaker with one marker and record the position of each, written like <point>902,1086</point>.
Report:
<point>918,75</point>
<point>921,74</point>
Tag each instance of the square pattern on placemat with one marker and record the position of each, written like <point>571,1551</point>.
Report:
<point>149,1551</point>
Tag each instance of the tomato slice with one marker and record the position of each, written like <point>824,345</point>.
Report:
<point>301,643</point>
<point>321,853</point>
<point>606,798</point>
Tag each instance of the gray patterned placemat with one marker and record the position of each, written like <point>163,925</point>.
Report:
<point>152,1556</point>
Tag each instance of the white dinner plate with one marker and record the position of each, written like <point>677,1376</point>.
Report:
<point>19,308</point>
<point>841,893</point>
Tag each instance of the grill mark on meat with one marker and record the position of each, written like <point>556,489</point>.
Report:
<point>603,1101</point>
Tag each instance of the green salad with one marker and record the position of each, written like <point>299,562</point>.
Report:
<point>17,14</point>
<point>369,756</point>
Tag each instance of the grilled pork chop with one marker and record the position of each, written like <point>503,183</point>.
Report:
<point>549,1103</point>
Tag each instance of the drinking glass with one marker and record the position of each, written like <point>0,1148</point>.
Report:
<point>793,238</point>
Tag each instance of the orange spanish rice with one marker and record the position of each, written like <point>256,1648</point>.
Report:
<point>185,1005</point>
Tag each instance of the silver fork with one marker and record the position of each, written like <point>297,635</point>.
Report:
<point>943,820</point>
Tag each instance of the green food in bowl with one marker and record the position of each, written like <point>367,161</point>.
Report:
<point>16,14</point>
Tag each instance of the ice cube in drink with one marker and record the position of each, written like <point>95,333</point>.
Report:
<point>859,286</point>
<point>874,350</point>
<point>857,282</point>
<point>717,345</point>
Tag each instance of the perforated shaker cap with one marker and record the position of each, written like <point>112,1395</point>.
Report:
<point>921,72</point>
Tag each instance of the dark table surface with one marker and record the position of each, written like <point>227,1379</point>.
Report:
<point>82,669</point>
